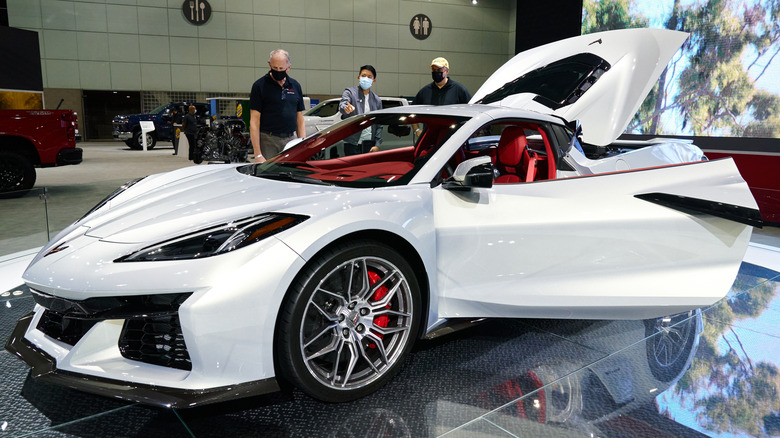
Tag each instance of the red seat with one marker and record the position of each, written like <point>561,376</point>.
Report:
<point>513,160</point>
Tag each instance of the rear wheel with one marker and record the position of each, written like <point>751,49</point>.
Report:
<point>17,175</point>
<point>350,320</point>
<point>670,343</point>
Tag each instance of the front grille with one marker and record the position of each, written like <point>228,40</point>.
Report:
<point>151,333</point>
<point>157,341</point>
<point>63,328</point>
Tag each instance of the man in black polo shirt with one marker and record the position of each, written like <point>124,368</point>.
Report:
<point>279,99</point>
<point>443,90</point>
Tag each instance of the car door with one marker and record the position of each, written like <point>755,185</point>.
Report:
<point>164,126</point>
<point>591,247</point>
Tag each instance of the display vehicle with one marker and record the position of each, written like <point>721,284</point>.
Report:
<point>34,138</point>
<point>127,127</point>
<point>322,266</point>
<point>326,113</point>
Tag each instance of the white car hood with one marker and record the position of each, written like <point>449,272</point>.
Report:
<point>636,57</point>
<point>158,212</point>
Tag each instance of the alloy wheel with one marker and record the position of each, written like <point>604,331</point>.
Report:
<point>356,323</point>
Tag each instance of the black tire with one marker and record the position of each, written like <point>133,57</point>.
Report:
<point>671,342</point>
<point>151,140</point>
<point>17,175</point>
<point>341,336</point>
<point>130,142</point>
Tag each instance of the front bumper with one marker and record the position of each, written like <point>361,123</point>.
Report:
<point>44,367</point>
<point>121,132</point>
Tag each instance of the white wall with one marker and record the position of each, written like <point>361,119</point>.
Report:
<point>148,44</point>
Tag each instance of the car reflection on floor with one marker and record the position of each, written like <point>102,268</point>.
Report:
<point>499,378</point>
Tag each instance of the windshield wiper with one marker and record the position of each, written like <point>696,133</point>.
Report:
<point>289,176</point>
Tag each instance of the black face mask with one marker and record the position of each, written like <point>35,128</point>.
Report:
<point>437,76</point>
<point>278,75</point>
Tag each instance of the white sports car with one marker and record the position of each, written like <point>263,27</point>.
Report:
<point>323,265</point>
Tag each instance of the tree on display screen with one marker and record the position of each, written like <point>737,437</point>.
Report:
<point>725,79</point>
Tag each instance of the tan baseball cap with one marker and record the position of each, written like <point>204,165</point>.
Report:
<point>440,62</point>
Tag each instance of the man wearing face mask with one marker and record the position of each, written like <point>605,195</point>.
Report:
<point>443,90</point>
<point>360,100</point>
<point>276,109</point>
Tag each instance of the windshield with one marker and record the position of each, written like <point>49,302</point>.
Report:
<point>372,150</point>
<point>324,109</point>
<point>159,109</point>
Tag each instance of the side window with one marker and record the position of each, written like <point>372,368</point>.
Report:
<point>520,151</point>
<point>328,109</point>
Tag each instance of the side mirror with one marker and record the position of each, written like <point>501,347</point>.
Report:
<point>475,172</point>
<point>292,143</point>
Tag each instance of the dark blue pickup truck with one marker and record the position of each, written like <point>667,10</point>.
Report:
<point>127,128</point>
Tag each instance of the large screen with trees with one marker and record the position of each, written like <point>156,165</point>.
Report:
<point>724,81</point>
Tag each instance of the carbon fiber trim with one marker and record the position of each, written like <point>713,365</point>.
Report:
<point>694,206</point>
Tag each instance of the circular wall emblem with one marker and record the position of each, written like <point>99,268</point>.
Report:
<point>420,26</point>
<point>196,12</point>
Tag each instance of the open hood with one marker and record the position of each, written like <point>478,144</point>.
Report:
<point>599,78</point>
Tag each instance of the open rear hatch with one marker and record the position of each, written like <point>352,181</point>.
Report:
<point>599,79</point>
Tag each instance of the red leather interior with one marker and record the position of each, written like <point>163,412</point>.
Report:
<point>509,156</point>
<point>389,170</point>
<point>529,165</point>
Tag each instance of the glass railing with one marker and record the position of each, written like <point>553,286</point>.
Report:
<point>24,219</point>
<point>29,219</point>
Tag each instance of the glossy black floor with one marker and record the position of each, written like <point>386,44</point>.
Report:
<point>498,379</point>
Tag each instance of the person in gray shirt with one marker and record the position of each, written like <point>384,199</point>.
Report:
<point>360,100</point>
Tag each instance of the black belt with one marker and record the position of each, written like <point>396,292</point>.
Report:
<point>279,134</point>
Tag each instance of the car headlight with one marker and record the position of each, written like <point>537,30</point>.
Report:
<point>116,193</point>
<point>216,240</point>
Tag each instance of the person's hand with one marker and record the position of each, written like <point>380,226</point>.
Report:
<point>349,108</point>
<point>259,159</point>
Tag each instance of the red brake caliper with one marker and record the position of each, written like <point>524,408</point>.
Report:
<point>383,320</point>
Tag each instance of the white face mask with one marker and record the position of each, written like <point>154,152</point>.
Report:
<point>365,83</point>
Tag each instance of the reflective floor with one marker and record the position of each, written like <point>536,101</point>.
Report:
<point>713,373</point>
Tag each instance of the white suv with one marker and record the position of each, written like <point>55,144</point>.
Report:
<point>327,112</point>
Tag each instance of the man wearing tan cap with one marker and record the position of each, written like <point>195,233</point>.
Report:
<point>443,90</point>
